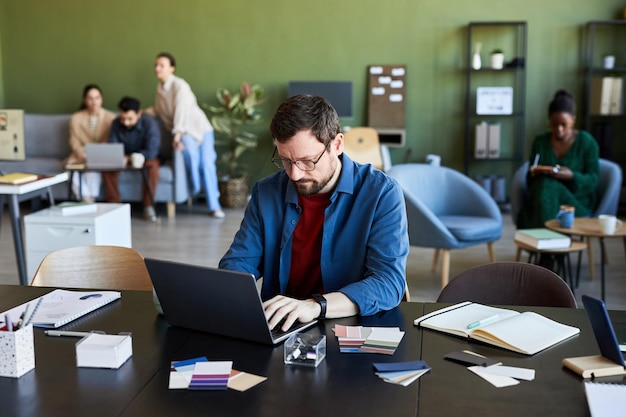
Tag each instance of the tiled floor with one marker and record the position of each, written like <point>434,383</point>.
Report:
<point>194,237</point>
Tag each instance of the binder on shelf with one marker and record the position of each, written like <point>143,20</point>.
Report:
<point>493,141</point>
<point>615,104</point>
<point>481,141</point>
<point>601,91</point>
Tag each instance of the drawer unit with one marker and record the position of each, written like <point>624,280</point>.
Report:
<point>48,230</point>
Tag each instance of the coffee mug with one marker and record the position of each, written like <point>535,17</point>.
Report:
<point>137,160</point>
<point>609,224</point>
<point>565,218</point>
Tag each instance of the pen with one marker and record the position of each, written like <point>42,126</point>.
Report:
<point>31,311</point>
<point>8,322</point>
<point>68,333</point>
<point>536,162</point>
<point>482,322</point>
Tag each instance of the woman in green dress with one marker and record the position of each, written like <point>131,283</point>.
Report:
<point>564,167</point>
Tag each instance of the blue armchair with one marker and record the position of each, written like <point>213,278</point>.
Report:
<point>447,210</point>
<point>607,193</point>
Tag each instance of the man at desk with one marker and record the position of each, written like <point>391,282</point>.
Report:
<point>328,235</point>
<point>141,137</point>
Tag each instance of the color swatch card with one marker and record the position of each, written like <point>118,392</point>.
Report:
<point>211,375</point>
<point>359,339</point>
<point>201,374</point>
<point>401,373</point>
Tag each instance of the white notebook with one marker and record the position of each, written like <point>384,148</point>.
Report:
<point>60,307</point>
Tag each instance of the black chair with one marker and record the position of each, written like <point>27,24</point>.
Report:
<point>509,283</point>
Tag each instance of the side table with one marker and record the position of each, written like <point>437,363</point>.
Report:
<point>16,193</point>
<point>561,255</point>
<point>49,230</point>
<point>588,228</point>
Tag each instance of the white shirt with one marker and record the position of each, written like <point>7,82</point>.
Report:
<point>178,107</point>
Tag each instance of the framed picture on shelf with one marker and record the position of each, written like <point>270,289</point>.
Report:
<point>494,100</point>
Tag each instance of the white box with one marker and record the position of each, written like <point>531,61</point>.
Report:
<point>103,351</point>
<point>17,352</point>
<point>48,230</point>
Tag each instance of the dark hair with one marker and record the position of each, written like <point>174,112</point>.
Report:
<point>563,102</point>
<point>305,112</point>
<point>128,104</point>
<point>86,91</point>
<point>169,56</point>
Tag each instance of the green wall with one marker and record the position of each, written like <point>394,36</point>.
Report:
<point>50,50</point>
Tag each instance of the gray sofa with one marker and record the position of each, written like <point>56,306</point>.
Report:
<point>47,145</point>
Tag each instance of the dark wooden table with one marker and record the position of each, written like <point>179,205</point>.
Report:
<point>343,384</point>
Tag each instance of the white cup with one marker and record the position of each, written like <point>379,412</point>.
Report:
<point>137,160</point>
<point>609,224</point>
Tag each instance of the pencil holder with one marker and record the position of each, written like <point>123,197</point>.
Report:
<point>17,352</point>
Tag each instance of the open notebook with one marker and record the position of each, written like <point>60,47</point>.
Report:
<point>59,307</point>
<point>526,333</point>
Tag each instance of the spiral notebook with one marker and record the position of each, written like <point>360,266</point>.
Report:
<point>60,307</point>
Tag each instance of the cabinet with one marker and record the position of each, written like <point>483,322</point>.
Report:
<point>495,149</point>
<point>49,230</point>
<point>603,106</point>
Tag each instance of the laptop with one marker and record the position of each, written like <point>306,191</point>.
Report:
<point>105,156</point>
<point>214,300</point>
<point>603,329</point>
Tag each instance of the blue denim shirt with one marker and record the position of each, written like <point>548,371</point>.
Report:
<point>364,245</point>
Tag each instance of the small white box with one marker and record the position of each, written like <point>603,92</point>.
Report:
<point>103,351</point>
<point>17,352</point>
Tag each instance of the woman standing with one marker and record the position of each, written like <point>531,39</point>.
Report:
<point>177,107</point>
<point>91,124</point>
<point>564,167</point>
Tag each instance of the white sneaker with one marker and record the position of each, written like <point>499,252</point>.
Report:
<point>217,214</point>
<point>149,214</point>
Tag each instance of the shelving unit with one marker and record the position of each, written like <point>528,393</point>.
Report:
<point>511,37</point>
<point>606,37</point>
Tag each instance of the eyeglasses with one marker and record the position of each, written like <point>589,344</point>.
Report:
<point>303,165</point>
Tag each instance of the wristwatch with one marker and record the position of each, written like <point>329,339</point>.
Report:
<point>322,302</point>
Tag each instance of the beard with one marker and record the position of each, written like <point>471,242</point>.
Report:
<point>307,187</point>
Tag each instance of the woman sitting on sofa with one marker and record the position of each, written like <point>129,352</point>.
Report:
<point>91,124</point>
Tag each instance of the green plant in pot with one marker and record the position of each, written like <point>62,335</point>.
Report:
<point>231,120</point>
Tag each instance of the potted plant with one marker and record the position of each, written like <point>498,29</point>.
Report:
<point>497,59</point>
<point>231,119</point>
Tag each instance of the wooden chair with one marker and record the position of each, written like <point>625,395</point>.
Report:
<point>97,267</point>
<point>509,283</point>
<point>362,145</point>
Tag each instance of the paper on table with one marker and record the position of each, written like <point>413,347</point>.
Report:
<point>510,371</point>
<point>605,400</point>
<point>498,381</point>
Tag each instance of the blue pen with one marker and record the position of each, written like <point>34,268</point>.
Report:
<point>482,322</point>
<point>536,162</point>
